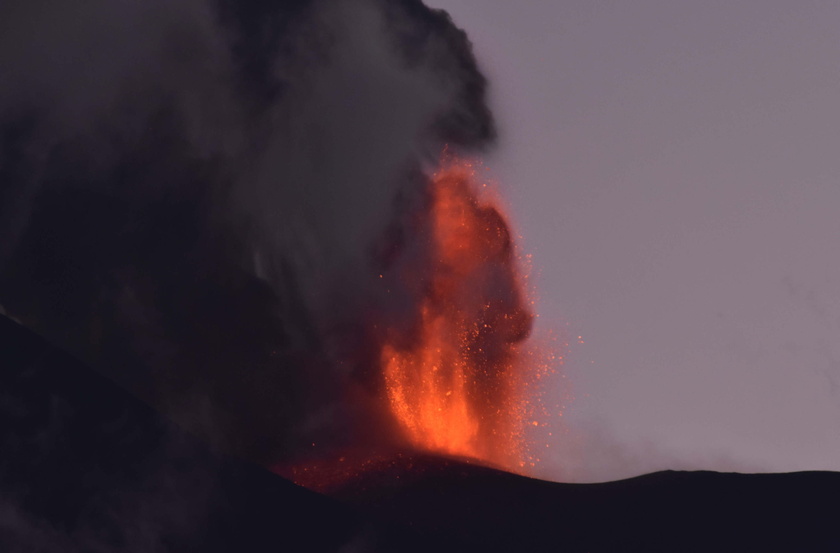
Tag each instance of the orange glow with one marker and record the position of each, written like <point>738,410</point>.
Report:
<point>459,387</point>
<point>460,378</point>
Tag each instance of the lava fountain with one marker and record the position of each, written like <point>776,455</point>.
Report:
<point>460,388</point>
<point>464,381</point>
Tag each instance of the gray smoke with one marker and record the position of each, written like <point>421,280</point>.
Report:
<point>199,197</point>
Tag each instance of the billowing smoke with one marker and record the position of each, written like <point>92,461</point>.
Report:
<point>198,197</point>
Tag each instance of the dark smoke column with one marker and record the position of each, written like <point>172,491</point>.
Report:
<point>198,197</point>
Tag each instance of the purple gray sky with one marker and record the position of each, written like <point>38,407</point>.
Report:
<point>674,169</point>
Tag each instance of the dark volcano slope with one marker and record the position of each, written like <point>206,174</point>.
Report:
<point>490,510</point>
<point>85,467</point>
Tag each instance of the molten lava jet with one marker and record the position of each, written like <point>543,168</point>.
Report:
<point>461,382</point>
<point>459,388</point>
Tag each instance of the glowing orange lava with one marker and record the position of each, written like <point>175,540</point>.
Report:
<point>459,387</point>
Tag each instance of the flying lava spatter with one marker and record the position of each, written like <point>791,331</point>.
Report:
<point>461,387</point>
<point>468,382</point>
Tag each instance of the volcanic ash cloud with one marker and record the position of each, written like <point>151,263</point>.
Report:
<point>199,198</point>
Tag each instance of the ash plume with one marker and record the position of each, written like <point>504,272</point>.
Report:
<point>203,198</point>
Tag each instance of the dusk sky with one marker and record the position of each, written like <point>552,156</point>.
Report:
<point>673,169</point>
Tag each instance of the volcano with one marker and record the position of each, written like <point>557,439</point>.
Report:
<point>266,304</point>
<point>87,467</point>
